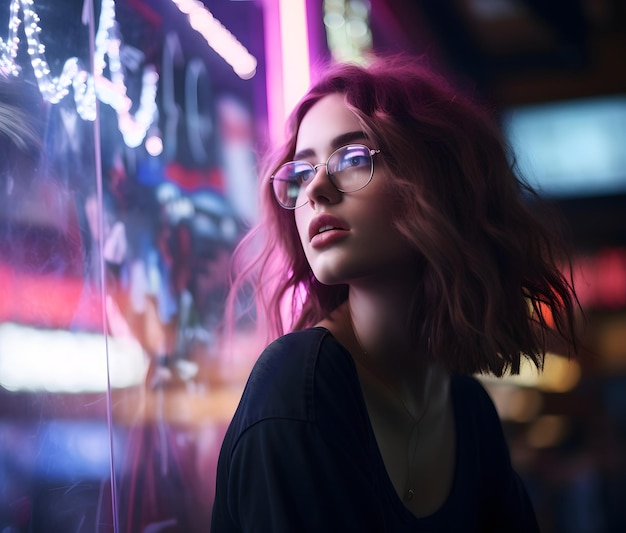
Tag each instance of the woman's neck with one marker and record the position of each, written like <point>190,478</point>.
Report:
<point>375,332</point>
<point>380,319</point>
<point>376,318</point>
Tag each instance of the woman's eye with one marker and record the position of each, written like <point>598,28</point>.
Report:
<point>301,173</point>
<point>306,175</point>
<point>352,161</point>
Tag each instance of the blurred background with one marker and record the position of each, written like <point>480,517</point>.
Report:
<point>130,134</point>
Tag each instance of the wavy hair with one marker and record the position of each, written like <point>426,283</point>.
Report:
<point>489,287</point>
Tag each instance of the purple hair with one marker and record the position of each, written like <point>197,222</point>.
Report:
<point>488,287</point>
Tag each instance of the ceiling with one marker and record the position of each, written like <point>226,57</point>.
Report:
<point>515,51</point>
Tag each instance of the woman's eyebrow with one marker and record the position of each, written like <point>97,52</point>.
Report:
<point>347,138</point>
<point>337,142</point>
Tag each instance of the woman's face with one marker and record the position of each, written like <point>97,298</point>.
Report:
<point>346,237</point>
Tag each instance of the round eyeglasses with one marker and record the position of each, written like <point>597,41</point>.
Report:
<point>349,169</point>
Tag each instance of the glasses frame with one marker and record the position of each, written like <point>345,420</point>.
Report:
<point>372,153</point>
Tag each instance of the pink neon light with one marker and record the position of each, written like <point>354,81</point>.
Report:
<point>287,60</point>
<point>274,71</point>
<point>295,51</point>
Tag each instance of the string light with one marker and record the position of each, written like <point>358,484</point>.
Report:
<point>8,50</point>
<point>86,87</point>
<point>218,37</point>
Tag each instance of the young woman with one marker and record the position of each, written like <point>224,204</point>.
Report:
<point>398,234</point>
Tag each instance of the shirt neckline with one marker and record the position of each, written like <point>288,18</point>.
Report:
<point>383,478</point>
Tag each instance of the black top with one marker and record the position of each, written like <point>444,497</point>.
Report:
<point>300,454</point>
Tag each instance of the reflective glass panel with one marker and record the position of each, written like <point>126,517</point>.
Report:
<point>117,222</point>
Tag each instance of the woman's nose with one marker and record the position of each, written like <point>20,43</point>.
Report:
<point>321,189</point>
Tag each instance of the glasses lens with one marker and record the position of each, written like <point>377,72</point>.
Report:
<point>351,167</point>
<point>287,183</point>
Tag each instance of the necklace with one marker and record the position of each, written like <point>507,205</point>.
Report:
<point>413,440</point>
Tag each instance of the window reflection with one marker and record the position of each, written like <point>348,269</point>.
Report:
<point>115,384</point>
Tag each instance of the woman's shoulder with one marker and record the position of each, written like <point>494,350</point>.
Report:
<point>477,418</point>
<point>470,388</point>
<point>284,380</point>
<point>300,344</point>
<point>472,401</point>
<point>485,459</point>
<point>290,358</point>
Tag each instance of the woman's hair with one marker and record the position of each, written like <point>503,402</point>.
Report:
<point>488,285</point>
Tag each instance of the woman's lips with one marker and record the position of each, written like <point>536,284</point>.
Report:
<point>325,222</point>
<point>328,237</point>
<point>326,229</point>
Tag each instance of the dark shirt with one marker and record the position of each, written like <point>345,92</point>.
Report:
<point>300,454</point>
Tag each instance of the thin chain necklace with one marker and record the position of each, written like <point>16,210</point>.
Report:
<point>363,359</point>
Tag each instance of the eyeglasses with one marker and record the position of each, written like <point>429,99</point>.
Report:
<point>349,169</point>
